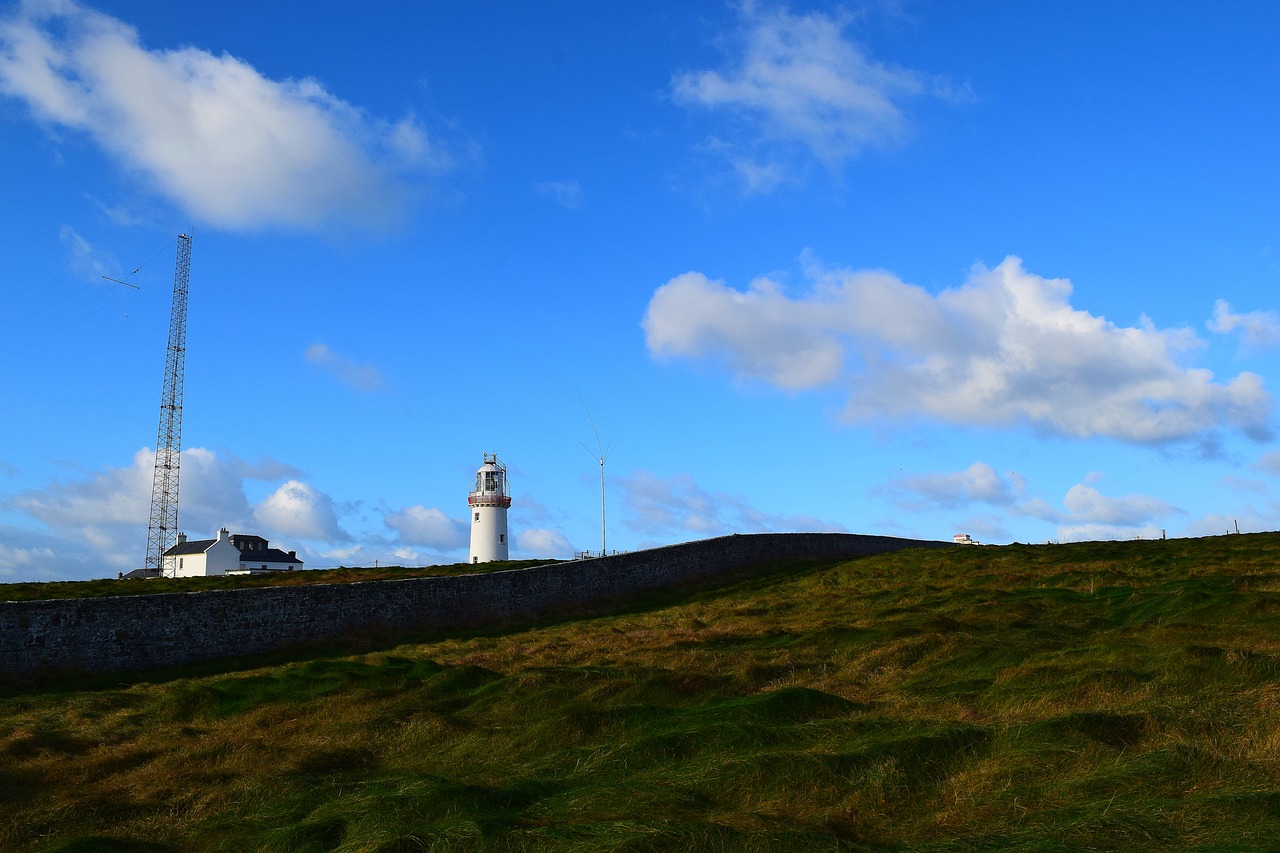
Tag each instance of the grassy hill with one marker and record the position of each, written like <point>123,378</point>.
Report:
<point>1107,696</point>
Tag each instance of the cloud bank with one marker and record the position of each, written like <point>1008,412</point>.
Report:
<point>679,506</point>
<point>97,524</point>
<point>979,483</point>
<point>1006,347</point>
<point>1086,513</point>
<point>229,146</point>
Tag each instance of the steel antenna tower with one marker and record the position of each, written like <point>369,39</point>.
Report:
<point>163,527</point>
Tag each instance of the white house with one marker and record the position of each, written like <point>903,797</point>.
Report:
<point>238,554</point>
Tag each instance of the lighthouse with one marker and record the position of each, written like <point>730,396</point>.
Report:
<point>489,502</point>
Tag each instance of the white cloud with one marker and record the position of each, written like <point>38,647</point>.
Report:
<point>14,560</point>
<point>430,528</point>
<point>300,510</point>
<point>796,80</point>
<point>106,499</point>
<point>759,178</point>
<point>762,334</point>
<point>1248,520</point>
<point>1090,515</point>
<point>674,505</point>
<point>212,489</point>
<point>1006,347</point>
<point>1086,504</point>
<point>353,374</point>
<point>352,555</point>
<point>979,483</point>
<point>1269,462</point>
<point>373,551</point>
<point>213,494</point>
<point>1258,329</point>
<point>122,214</point>
<point>537,543</point>
<point>1244,485</point>
<point>984,527</point>
<point>230,146</point>
<point>565,193</point>
<point>87,261</point>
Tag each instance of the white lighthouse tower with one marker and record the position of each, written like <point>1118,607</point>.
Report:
<point>489,502</point>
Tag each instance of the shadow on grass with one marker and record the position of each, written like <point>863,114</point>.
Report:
<point>103,844</point>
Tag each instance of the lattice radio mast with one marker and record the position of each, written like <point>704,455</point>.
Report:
<point>163,528</point>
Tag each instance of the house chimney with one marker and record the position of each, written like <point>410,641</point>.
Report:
<point>182,538</point>
<point>224,533</point>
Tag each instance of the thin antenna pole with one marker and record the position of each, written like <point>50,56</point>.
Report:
<point>600,455</point>
<point>604,548</point>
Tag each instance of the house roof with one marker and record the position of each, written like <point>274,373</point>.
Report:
<point>139,573</point>
<point>270,555</point>
<point>191,546</point>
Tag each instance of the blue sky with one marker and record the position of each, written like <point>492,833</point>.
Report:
<point>910,268</point>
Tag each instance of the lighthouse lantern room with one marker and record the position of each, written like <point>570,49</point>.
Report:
<point>489,502</point>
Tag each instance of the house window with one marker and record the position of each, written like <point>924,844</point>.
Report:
<point>179,562</point>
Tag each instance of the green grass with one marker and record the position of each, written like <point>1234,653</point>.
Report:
<point>104,587</point>
<point>1101,696</point>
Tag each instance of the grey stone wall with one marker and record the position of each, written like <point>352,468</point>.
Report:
<point>42,638</point>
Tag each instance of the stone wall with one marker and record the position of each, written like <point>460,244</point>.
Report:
<point>40,638</point>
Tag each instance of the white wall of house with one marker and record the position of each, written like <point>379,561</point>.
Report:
<point>185,566</point>
<point>217,559</point>
<point>222,556</point>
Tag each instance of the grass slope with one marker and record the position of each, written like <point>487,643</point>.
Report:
<point>1110,696</point>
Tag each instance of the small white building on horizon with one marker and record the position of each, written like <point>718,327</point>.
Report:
<point>229,554</point>
<point>489,502</point>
